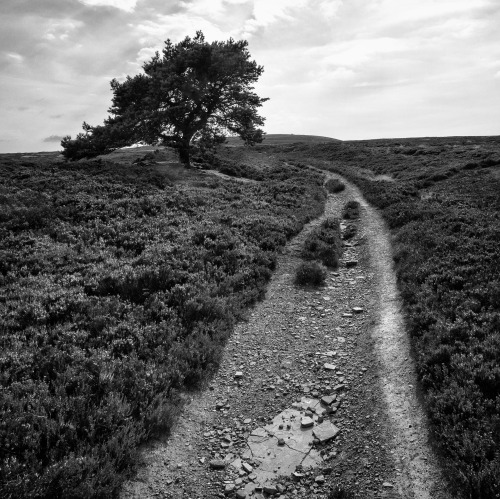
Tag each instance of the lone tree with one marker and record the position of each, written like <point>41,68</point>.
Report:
<point>194,91</point>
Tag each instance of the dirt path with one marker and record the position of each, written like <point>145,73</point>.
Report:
<point>344,341</point>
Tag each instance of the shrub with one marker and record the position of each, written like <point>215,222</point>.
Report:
<point>324,243</point>
<point>310,274</point>
<point>349,231</point>
<point>351,210</point>
<point>334,185</point>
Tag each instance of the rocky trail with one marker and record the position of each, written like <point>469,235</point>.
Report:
<point>316,391</point>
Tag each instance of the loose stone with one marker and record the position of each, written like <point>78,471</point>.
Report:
<point>217,464</point>
<point>270,489</point>
<point>328,400</point>
<point>246,467</point>
<point>325,431</point>
<point>306,422</point>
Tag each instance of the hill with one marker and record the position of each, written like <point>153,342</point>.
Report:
<point>283,139</point>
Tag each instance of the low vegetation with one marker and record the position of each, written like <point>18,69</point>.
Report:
<point>310,274</point>
<point>351,210</point>
<point>324,243</point>
<point>334,185</point>
<point>350,231</point>
<point>119,285</point>
<point>440,197</point>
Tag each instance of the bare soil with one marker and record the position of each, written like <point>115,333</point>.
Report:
<point>382,450</point>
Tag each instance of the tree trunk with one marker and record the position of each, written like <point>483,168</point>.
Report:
<point>184,154</point>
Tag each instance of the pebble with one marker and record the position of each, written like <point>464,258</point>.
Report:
<point>306,422</point>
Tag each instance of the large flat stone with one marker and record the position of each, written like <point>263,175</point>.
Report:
<point>282,460</point>
<point>325,431</point>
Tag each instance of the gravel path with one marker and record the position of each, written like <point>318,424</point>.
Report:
<point>277,358</point>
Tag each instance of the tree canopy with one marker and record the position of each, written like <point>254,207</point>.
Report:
<point>195,91</point>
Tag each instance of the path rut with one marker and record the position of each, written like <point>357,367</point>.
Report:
<point>382,449</point>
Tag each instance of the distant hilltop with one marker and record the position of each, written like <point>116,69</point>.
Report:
<point>284,138</point>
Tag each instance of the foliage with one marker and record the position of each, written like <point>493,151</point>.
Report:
<point>310,274</point>
<point>350,231</point>
<point>119,285</point>
<point>324,243</point>
<point>334,185</point>
<point>440,199</point>
<point>195,91</point>
<point>351,210</point>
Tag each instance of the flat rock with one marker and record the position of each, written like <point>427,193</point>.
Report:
<point>272,460</point>
<point>329,367</point>
<point>229,489</point>
<point>357,310</point>
<point>270,489</point>
<point>325,431</point>
<point>328,400</point>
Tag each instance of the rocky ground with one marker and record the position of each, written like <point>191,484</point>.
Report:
<point>315,394</point>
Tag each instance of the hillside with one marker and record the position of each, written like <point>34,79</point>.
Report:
<point>119,286</point>
<point>271,139</point>
<point>122,279</point>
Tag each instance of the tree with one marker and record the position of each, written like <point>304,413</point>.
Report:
<point>194,92</point>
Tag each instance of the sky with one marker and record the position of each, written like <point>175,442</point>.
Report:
<point>348,69</point>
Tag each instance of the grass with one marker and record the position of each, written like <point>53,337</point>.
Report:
<point>119,285</point>
<point>440,199</point>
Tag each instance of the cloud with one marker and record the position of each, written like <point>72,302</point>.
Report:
<point>12,57</point>
<point>126,5</point>
<point>61,29</point>
<point>349,69</point>
<point>53,138</point>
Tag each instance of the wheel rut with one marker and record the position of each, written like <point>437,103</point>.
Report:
<point>274,365</point>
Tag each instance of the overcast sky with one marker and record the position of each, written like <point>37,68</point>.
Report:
<point>349,69</point>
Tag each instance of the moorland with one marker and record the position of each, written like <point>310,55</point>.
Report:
<point>122,277</point>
